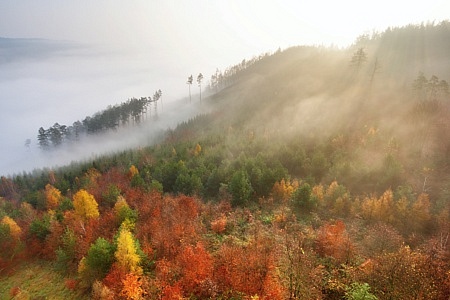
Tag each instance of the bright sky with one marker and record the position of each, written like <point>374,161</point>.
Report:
<point>216,29</point>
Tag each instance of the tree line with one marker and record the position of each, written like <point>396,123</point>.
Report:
<point>132,111</point>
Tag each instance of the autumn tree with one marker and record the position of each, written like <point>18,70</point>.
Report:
<point>127,252</point>
<point>420,214</point>
<point>123,211</point>
<point>197,150</point>
<point>334,241</point>
<point>101,291</point>
<point>248,269</point>
<point>282,190</point>
<point>196,268</point>
<point>132,171</point>
<point>85,205</point>
<point>10,234</point>
<point>132,287</point>
<point>219,225</point>
<point>381,238</point>
<point>52,196</point>
<point>404,274</point>
<point>169,221</point>
<point>299,273</point>
<point>379,209</point>
<point>14,229</point>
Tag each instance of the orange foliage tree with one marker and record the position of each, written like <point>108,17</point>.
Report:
<point>132,287</point>
<point>282,190</point>
<point>196,266</point>
<point>333,241</point>
<point>14,229</point>
<point>166,222</point>
<point>52,196</point>
<point>219,225</point>
<point>132,171</point>
<point>10,234</point>
<point>248,269</point>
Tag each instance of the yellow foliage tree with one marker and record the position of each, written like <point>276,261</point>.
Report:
<point>318,192</point>
<point>14,229</point>
<point>197,150</point>
<point>126,254</point>
<point>52,196</point>
<point>332,188</point>
<point>121,203</point>
<point>420,213</point>
<point>132,171</point>
<point>282,190</point>
<point>368,208</point>
<point>85,205</point>
<point>384,207</point>
<point>380,209</point>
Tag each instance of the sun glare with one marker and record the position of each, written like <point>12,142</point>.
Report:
<point>323,22</point>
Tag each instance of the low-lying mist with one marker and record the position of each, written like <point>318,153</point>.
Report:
<point>43,82</point>
<point>88,147</point>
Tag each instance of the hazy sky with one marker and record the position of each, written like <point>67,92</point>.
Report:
<point>131,48</point>
<point>189,28</point>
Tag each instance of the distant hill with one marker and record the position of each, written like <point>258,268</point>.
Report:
<point>20,49</point>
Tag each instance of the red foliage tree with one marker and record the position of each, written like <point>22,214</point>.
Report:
<point>248,269</point>
<point>196,267</point>
<point>333,241</point>
<point>115,278</point>
<point>87,231</point>
<point>166,222</point>
<point>172,292</point>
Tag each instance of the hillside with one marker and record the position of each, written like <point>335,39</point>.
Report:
<point>310,173</point>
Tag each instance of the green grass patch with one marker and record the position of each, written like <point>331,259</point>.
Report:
<point>37,280</point>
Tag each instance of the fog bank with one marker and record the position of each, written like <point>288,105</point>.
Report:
<point>43,82</point>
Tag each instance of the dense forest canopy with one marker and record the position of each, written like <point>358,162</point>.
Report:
<point>317,173</point>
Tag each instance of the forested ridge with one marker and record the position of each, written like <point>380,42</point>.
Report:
<point>320,173</point>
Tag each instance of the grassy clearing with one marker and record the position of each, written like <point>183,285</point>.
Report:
<point>37,280</point>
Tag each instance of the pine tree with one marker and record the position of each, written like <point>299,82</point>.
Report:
<point>359,58</point>
<point>199,81</point>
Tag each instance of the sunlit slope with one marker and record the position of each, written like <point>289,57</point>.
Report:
<point>375,111</point>
<point>312,87</point>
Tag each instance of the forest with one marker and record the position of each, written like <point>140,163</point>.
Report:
<point>318,173</point>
